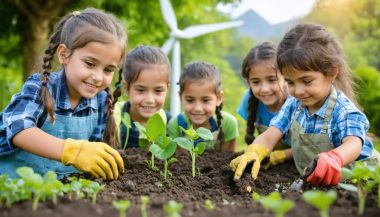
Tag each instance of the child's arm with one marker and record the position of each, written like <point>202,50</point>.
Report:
<point>328,169</point>
<point>257,151</point>
<point>96,158</point>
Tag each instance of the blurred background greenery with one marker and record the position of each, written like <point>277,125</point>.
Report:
<point>26,25</point>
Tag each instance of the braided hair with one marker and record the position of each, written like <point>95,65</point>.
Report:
<point>196,71</point>
<point>75,30</point>
<point>265,52</point>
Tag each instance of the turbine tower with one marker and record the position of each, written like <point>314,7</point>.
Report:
<point>173,43</point>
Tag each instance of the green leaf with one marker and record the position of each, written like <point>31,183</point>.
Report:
<point>161,153</point>
<point>320,199</point>
<point>190,132</point>
<point>200,148</point>
<point>155,127</point>
<point>205,133</point>
<point>184,143</point>
<point>348,187</point>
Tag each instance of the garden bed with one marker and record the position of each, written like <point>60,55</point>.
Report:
<point>215,183</point>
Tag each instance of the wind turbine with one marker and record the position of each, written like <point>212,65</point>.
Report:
<point>173,43</point>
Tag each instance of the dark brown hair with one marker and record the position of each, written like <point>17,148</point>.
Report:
<point>310,47</point>
<point>265,52</point>
<point>75,30</point>
<point>197,71</point>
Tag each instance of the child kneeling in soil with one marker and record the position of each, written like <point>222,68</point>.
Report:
<point>322,120</point>
<point>201,96</point>
<point>145,78</point>
<point>58,120</point>
<point>263,100</point>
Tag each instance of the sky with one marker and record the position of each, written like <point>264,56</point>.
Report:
<point>274,11</point>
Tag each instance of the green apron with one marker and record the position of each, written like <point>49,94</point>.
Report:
<point>307,146</point>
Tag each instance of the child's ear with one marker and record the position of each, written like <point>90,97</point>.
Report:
<point>62,53</point>
<point>334,73</point>
<point>125,86</point>
<point>219,98</point>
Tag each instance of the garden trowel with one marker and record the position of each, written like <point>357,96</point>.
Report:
<point>298,183</point>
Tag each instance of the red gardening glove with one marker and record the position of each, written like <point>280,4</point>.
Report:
<point>328,169</point>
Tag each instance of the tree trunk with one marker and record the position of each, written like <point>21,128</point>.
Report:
<point>39,16</point>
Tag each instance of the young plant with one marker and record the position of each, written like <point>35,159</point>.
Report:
<point>274,202</point>
<point>172,208</point>
<point>188,142</point>
<point>91,188</point>
<point>359,175</point>
<point>375,174</point>
<point>122,206</point>
<point>162,146</point>
<point>321,200</point>
<point>144,202</point>
<point>209,205</point>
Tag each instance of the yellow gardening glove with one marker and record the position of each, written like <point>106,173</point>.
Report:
<point>96,158</point>
<point>277,157</point>
<point>254,152</point>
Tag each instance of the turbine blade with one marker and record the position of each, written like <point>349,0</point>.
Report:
<point>168,45</point>
<point>168,14</point>
<point>196,30</point>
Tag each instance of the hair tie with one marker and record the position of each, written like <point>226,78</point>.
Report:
<point>118,85</point>
<point>75,13</point>
<point>44,79</point>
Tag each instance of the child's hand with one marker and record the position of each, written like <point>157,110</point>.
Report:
<point>254,152</point>
<point>96,158</point>
<point>277,157</point>
<point>328,169</point>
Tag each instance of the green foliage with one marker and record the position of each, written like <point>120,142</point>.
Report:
<point>274,202</point>
<point>172,208</point>
<point>369,95</point>
<point>144,202</point>
<point>188,142</point>
<point>122,206</point>
<point>209,205</point>
<point>320,199</point>
<point>360,176</point>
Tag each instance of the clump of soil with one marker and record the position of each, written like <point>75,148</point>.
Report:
<point>214,181</point>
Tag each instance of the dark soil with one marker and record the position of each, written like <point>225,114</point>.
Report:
<point>213,181</point>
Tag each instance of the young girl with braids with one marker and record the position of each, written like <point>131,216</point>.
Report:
<point>267,93</point>
<point>145,78</point>
<point>201,96</point>
<point>323,122</point>
<point>58,120</point>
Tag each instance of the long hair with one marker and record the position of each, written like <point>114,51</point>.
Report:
<point>75,30</point>
<point>310,47</point>
<point>265,52</point>
<point>202,71</point>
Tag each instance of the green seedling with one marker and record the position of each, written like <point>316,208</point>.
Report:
<point>162,146</point>
<point>274,202</point>
<point>42,187</point>
<point>172,208</point>
<point>375,174</point>
<point>188,142</point>
<point>360,176</point>
<point>209,205</point>
<point>91,188</point>
<point>321,200</point>
<point>13,190</point>
<point>122,206</point>
<point>144,202</point>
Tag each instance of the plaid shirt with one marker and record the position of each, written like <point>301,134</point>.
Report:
<point>346,120</point>
<point>26,110</point>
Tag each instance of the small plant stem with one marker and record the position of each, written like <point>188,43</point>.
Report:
<point>165,169</point>
<point>123,213</point>
<point>93,198</point>
<point>193,163</point>
<point>35,203</point>
<point>362,197</point>
<point>152,161</point>
<point>324,213</point>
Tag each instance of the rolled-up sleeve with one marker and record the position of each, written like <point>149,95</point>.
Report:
<point>283,119</point>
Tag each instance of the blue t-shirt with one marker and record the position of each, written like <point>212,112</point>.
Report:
<point>345,120</point>
<point>26,110</point>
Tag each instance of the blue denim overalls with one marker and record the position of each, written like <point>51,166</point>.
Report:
<point>64,127</point>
